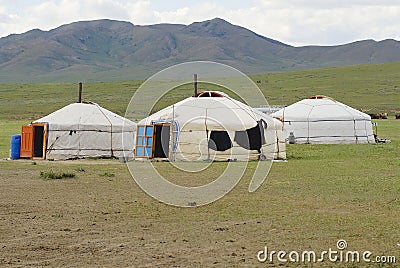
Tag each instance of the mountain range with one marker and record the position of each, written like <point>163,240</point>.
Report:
<point>103,50</point>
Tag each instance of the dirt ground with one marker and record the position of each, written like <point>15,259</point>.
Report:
<point>101,218</point>
<point>106,221</point>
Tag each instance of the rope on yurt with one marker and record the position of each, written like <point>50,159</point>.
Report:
<point>308,124</point>
<point>208,138</point>
<point>111,130</point>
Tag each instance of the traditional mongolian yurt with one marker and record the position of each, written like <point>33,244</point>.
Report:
<point>79,130</point>
<point>320,119</point>
<point>211,126</point>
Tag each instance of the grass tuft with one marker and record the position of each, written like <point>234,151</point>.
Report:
<point>51,175</point>
<point>106,174</point>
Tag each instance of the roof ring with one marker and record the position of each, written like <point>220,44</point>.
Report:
<point>319,97</point>
<point>210,94</point>
<point>87,102</point>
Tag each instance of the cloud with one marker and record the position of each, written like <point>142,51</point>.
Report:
<point>141,12</point>
<point>7,21</point>
<point>312,23</point>
<point>197,12</point>
<point>297,22</point>
<point>52,13</point>
<point>301,22</point>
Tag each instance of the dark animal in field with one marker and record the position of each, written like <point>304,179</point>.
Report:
<point>397,116</point>
<point>378,116</point>
<point>374,116</point>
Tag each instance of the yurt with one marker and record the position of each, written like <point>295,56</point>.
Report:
<point>320,119</point>
<point>79,130</point>
<point>211,126</point>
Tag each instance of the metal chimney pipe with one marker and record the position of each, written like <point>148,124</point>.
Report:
<point>195,85</point>
<point>80,93</point>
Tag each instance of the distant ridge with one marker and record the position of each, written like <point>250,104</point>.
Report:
<point>103,50</point>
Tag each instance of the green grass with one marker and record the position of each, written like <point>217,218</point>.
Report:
<point>322,194</point>
<point>52,175</point>
<point>107,174</point>
<point>8,128</point>
<point>373,88</point>
<point>32,101</point>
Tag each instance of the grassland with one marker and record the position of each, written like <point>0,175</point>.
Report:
<point>373,88</point>
<point>101,217</point>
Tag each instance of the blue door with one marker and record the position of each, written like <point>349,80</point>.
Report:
<point>144,141</point>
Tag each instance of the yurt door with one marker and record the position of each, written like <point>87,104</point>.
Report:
<point>144,141</point>
<point>161,140</point>
<point>39,143</point>
<point>33,141</point>
<point>153,141</point>
<point>27,142</point>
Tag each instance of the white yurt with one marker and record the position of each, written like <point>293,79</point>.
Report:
<point>79,130</point>
<point>211,126</point>
<point>320,119</point>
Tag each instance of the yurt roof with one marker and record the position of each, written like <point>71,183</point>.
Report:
<point>218,109</point>
<point>319,108</point>
<point>81,114</point>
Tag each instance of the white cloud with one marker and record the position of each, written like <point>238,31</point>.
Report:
<point>187,15</point>
<point>141,12</point>
<point>298,22</point>
<point>52,13</point>
<point>294,23</point>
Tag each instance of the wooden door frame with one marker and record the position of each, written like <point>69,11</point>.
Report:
<point>45,131</point>
<point>155,133</point>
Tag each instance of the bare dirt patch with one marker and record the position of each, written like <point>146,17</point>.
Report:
<point>102,218</point>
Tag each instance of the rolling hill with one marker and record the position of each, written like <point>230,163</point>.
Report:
<point>372,88</point>
<point>105,50</point>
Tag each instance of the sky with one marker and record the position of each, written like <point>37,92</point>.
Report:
<point>294,22</point>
